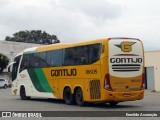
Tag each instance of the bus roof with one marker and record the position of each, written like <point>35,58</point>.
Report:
<point>66,45</point>
<point>61,45</point>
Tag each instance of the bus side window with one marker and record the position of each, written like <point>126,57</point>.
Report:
<point>69,57</point>
<point>49,60</point>
<point>36,60</point>
<point>94,52</point>
<point>56,57</point>
<point>24,63</point>
<point>83,55</point>
<point>31,61</point>
<point>43,59</point>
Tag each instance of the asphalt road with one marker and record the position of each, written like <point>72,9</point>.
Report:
<point>8,102</point>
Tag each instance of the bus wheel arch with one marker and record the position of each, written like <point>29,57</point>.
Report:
<point>68,96</point>
<point>23,93</point>
<point>79,96</point>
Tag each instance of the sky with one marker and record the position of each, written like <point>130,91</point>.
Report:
<point>81,20</point>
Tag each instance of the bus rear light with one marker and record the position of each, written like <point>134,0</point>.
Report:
<point>109,39</point>
<point>107,84</point>
<point>143,82</point>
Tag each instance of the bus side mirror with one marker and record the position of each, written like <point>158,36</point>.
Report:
<point>10,66</point>
<point>9,69</point>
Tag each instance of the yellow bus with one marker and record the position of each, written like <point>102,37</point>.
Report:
<point>107,70</point>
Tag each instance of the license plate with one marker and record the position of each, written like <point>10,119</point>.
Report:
<point>126,95</point>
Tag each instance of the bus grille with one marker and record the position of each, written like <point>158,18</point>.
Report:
<point>126,67</point>
<point>95,89</point>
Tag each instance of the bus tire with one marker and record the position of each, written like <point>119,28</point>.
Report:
<point>79,97</point>
<point>68,96</point>
<point>23,94</point>
<point>113,103</point>
<point>5,86</point>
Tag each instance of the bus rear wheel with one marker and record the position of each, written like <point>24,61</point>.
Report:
<point>68,96</point>
<point>79,97</point>
<point>23,94</point>
<point>113,103</point>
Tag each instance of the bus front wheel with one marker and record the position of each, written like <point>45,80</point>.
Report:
<point>23,94</point>
<point>68,96</point>
<point>79,97</point>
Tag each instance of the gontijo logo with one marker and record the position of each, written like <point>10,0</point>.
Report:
<point>126,46</point>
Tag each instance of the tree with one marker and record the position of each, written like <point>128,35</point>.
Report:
<point>4,60</point>
<point>33,36</point>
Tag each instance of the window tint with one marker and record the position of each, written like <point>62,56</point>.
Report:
<point>69,56</point>
<point>31,60</point>
<point>43,59</point>
<point>82,55</point>
<point>56,58</point>
<point>49,58</point>
<point>94,52</point>
<point>25,62</point>
<point>36,60</point>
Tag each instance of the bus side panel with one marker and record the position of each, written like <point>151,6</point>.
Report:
<point>62,84</point>
<point>95,95</point>
<point>87,92</point>
<point>79,83</point>
<point>53,83</point>
<point>24,79</point>
<point>104,70</point>
<point>72,76</point>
